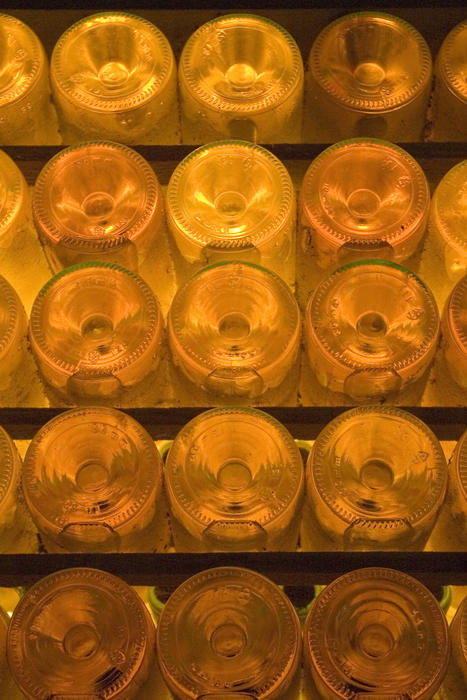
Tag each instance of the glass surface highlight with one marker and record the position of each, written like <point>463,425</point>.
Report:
<point>450,96</point>
<point>454,333</point>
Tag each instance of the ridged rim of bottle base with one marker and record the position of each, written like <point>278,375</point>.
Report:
<point>317,465</point>
<point>37,59</point>
<point>381,104</point>
<point>175,669</point>
<point>36,598</point>
<point>450,76</point>
<point>320,218</point>
<point>315,300</point>
<point>451,180</point>
<point>187,74</point>
<point>17,191</point>
<point>330,668</point>
<point>135,99</point>
<point>119,515</point>
<point>176,323</point>
<point>175,469</point>
<point>10,462</point>
<point>152,336</point>
<point>176,211</point>
<point>461,631</point>
<point>456,309</point>
<point>459,462</point>
<point>46,221</point>
<point>15,312</point>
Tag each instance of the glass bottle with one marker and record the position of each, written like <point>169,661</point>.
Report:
<point>448,219</point>
<point>371,329</point>
<point>97,201</point>
<point>113,77</point>
<point>234,329</point>
<point>13,333</point>
<point>228,632</point>
<point>92,480</point>
<point>16,534</point>
<point>376,478</point>
<point>241,76</point>
<point>363,198</point>
<point>95,328</point>
<point>454,333</point>
<point>15,204</point>
<point>369,75</point>
<point>457,491</point>
<point>379,634</point>
<point>234,200</point>
<point>234,479</point>
<point>458,636</point>
<point>3,661</point>
<point>450,95</point>
<point>26,114</point>
<point>80,633</point>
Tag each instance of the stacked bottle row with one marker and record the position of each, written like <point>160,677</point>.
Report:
<point>113,75</point>
<point>231,632</point>
<point>233,480</point>
<point>234,327</point>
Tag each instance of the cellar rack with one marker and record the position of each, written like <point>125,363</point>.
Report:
<point>177,20</point>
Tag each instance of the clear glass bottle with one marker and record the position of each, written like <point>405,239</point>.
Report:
<point>97,201</point>
<point>15,204</point>
<point>454,333</point>
<point>234,200</point>
<point>13,333</point>
<point>234,479</point>
<point>14,537</point>
<point>458,636</point>
<point>448,219</point>
<point>369,75</point>
<point>113,77</point>
<point>228,632</point>
<point>92,480</point>
<point>241,76</point>
<point>371,329</point>
<point>450,95</point>
<point>95,328</point>
<point>234,329</point>
<point>379,634</point>
<point>376,478</point>
<point>81,633</point>
<point>363,198</point>
<point>26,115</point>
<point>457,490</point>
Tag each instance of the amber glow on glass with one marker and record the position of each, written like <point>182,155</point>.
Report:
<point>457,494</point>
<point>24,85</point>
<point>4,672</point>
<point>80,633</point>
<point>371,328</point>
<point>241,76</point>
<point>458,635</point>
<point>376,479</point>
<point>454,332</point>
<point>363,198</point>
<point>234,329</point>
<point>234,479</point>
<point>97,201</point>
<point>376,633</point>
<point>92,480</point>
<point>113,77</point>
<point>15,204</point>
<point>234,200</point>
<point>95,328</point>
<point>450,96</point>
<point>13,332</point>
<point>369,75</point>
<point>10,476</point>
<point>448,219</point>
<point>228,632</point>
